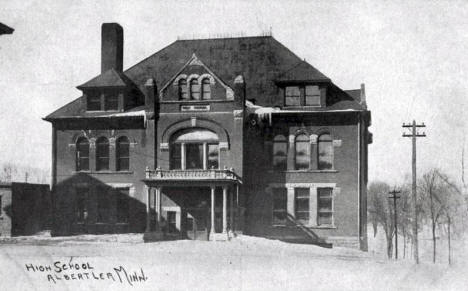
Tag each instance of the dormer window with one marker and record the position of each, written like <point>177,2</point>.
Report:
<point>292,96</point>
<point>111,101</point>
<point>312,96</point>
<point>108,101</point>
<point>308,95</point>
<point>94,102</point>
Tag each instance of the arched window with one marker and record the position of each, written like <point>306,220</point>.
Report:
<point>302,152</point>
<point>194,89</point>
<point>325,152</point>
<point>102,154</point>
<point>280,152</point>
<point>183,94</point>
<point>206,89</point>
<point>194,149</point>
<point>123,154</point>
<point>82,154</point>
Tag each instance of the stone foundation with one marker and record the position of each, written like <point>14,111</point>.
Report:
<point>344,241</point>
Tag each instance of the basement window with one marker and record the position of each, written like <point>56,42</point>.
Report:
<point>279,206</point>
<point>123,205</point>
<point>171,221</point>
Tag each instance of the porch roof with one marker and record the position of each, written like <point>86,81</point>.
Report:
<point>188,178</point>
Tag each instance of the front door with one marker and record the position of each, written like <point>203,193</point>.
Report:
<point>197,223</point>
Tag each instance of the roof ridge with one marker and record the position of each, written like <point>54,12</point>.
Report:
<point>225,38</point>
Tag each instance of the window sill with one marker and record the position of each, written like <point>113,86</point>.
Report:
<point>305,225</point>
<point>303,171</point>
<point>104,172</point>
<point>296,107</point>
<point>109,111</point>
<point>311,171</point>
<point>322,226</point>
<point>196,101</point>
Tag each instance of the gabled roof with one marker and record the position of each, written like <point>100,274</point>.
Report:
<point>110,78</point>
<point>5,29</point>
<point>194,60</point>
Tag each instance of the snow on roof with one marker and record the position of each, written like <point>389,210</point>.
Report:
<point>265,113</point>
<point>138,113</point>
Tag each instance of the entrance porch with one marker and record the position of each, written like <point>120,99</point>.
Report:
<point>208,203</point>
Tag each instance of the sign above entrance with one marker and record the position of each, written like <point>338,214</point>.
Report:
<point>191,108</point>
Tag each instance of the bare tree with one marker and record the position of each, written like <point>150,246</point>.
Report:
<point>380,212</point>
<point>404,213</point>
<point>452,201</point>
<point>8,173</point>
<point>429,187</point>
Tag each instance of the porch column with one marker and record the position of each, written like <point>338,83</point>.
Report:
<point>157,198</point>
<point>212,227</point>
<point>231,210</point>
<point>148,209</point>
<point>225,209</point>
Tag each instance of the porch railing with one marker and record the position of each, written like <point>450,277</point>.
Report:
<point>212,174</point>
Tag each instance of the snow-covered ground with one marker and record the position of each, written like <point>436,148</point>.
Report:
<point>245,263</point>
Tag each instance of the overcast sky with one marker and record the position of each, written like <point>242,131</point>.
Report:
<point>411,56</point>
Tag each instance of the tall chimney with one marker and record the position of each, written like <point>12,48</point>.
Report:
<point>363,96</point>
<point>111,47</point>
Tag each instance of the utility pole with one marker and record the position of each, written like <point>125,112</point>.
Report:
<point>395,222</point>
<point>414,134</point>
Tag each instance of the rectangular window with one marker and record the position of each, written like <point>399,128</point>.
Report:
<point>194,156</point>
<point>123,204</point>
<point>213,156</point>
<point>280,198</point>
<point>171,221</point>
<point>103,205</point>
<point>111,101</point>
<point>292,96</point>
<point>324,206</point>
<point>312,96</point>
<point>301,204</point>
<point>176,156</point>
<point>81,209</point>
<point>94,102</point>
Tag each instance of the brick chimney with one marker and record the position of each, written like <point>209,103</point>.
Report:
<point>111,47</point>
<point>150,94</point>
<point>239,90</point>
<point>363,96</point>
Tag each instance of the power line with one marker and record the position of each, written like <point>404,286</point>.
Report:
<point>414,134</point>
